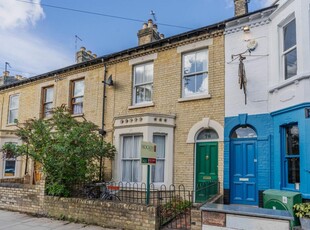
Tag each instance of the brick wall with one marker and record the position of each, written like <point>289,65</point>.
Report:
<point>31,199</point>
<point>167,87</point>
<point>22,197</point>
<point>103,213</point>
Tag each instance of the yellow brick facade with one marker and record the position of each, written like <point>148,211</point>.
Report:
<point>167,88</point>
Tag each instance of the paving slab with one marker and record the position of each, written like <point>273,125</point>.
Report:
<point>19,221</point>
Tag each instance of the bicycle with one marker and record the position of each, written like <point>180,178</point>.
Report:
<point>109,191</point>
<point>102,190</point>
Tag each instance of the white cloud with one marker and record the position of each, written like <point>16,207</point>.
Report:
<point>30,54</point>
<point>25,51</point>
<point>15,14</point>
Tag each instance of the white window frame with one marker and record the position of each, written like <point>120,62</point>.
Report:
<point>11,109</point>
<point>9,159</point>
<point>284,52</point>
<point>46,112</point>
<point>160,159</point>
<point>130,159</point>
<point>142,84</point>
<point>73,103</point>
<point>194,74</point>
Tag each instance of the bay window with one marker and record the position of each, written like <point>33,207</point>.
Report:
<point>131,166</point>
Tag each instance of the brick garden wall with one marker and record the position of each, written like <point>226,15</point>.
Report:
<point>103,213</point>
<point>22,197</point>
<point>31,199</point>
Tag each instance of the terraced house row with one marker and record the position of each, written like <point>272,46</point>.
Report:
<point>227,102</point>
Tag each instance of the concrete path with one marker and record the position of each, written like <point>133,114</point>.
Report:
<point>19,221</point>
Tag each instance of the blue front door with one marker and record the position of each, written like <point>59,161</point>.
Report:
<point>243,172</point>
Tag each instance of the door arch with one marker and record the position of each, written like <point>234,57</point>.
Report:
<point>206,164</point>
<point>243,164</point>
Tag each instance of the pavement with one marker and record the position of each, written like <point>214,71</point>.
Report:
<point>20,221</point>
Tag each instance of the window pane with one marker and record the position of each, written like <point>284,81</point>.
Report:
<point>289,35</point>
<point>137,146</point>
<point>139,94</point>
<point>189,64</point>
<point>77,108</point>
<point>148,73</point>
<point>48,109</point>
<point>148,92</point>
<point>293,170</point>
<point>292,140</point>
<point>14,102</point>
<point>244,132</point>
<point>291,64</point>
<point>136,171</point>
<point>139,71</point>
<point>13,115</point>
<point>158,171</point>
<point>207,134</point>
<point>127,147</point>
<point>126,171</point>
<point>49,92</point>
<point>78,100</point>
<point>9,169</point>
<point>201,61</point>
<point>189,86</point>
<point>201,83</point>
<point>78,88</point>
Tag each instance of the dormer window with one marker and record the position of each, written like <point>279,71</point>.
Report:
<point>289,50</point>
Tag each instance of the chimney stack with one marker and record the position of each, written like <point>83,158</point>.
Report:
<point>241,7</point>
<point>83,55</point>
<point>149,33</point>
<point>6,73</point>
<point>7,79</point>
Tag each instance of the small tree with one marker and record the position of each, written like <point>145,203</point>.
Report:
<point>67,149</point>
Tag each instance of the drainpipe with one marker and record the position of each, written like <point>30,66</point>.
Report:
<point>102,132</point>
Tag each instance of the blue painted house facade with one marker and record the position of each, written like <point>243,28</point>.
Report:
<point>289,100</point>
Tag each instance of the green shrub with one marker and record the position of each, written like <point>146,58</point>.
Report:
<point>302,210</point>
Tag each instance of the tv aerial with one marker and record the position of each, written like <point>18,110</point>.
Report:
<point>153,15</point>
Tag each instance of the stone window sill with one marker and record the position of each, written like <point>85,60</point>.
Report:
<point>194,98</point>
<point>143,105</point>
<point>78,115</point>
<point>11,124</point>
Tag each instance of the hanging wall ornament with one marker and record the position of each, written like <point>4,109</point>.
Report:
<point>242,77</point>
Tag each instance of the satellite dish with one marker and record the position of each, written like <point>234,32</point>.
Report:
<point>252,44</point>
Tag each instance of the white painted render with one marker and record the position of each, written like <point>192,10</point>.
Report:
<point>256,67</point>
<point>293,91</point>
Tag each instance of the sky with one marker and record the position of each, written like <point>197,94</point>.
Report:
<point>38,36</point>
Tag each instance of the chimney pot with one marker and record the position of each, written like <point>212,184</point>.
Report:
<point>94,55</point>
<point>89,52</point>
<point>150,23</point>
<point>144,26</point>
<point>162,36</point>
<point>82,48</point>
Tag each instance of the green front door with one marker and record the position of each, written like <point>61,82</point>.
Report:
<point>206,171</point>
